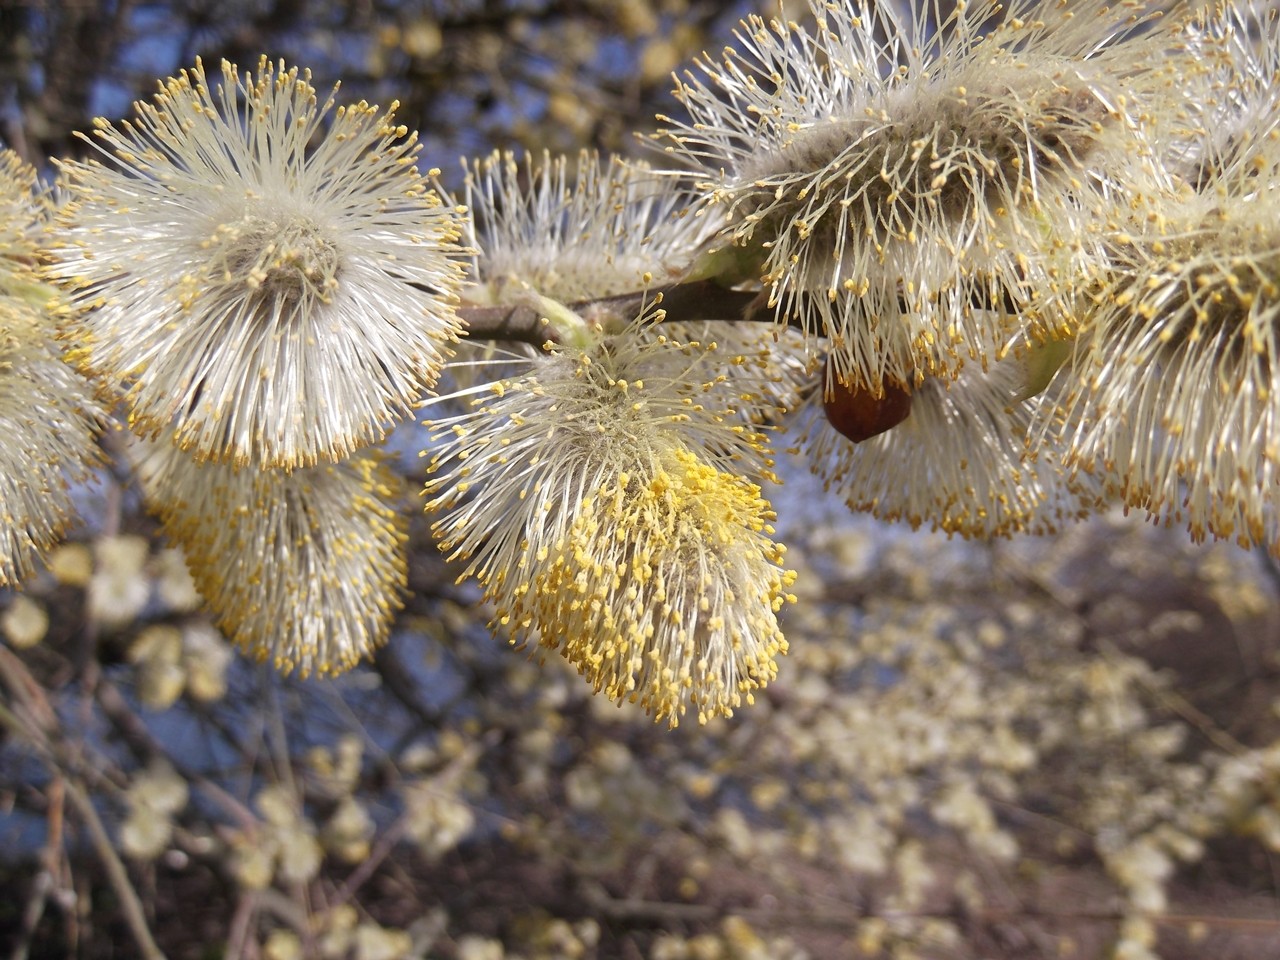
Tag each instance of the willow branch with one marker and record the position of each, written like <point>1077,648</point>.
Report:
<point>682,302</point>
<point>34,721</point>
<point>135,916</point>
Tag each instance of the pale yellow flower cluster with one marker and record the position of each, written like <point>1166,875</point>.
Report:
<point>267,283</point>
<point>304,569</point>
<point>1032,243</point>
<point>1175,407</point>
<point>49,420</point>
<point>666,589</point>
<point>600,501</point>
<point>925,197</point>
<point>606,493</point>
<point>893,175</point>
<point>272,303</point>
<point>958,463</point>
<point>573,229</point>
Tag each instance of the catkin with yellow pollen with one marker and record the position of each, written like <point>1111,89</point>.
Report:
<point>268,278</point>
<point>611,489</point>
<point>1177,410</point>
<point>914,188</point>
<point>49,420</point>
<point>666,590</point>
<point>304,569</point>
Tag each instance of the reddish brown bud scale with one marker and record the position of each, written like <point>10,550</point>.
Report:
<point>859,414</point>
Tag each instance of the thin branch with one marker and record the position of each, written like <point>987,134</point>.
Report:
<point>41,887</point>
<point>241,923</point>
<point>33,721</point>
<point>146,748</point>
<point>1170,699</point>
<point>520,323</point>
<point>134,915</point>
<point>1176,703</point>
<point>380,851</point>
<point>682,302</point>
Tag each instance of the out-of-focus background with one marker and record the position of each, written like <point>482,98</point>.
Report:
<point>470,75</point>
<point>1061,748</point>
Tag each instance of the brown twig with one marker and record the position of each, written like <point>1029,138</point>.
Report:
<point>381,850</point>
<point>682,302</point>
<point>134,915</point>
<point>147,748</point>
<point>241,923</point>
<point>1174,702</point>
<point>33,719</point>
<point>41,887</point>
